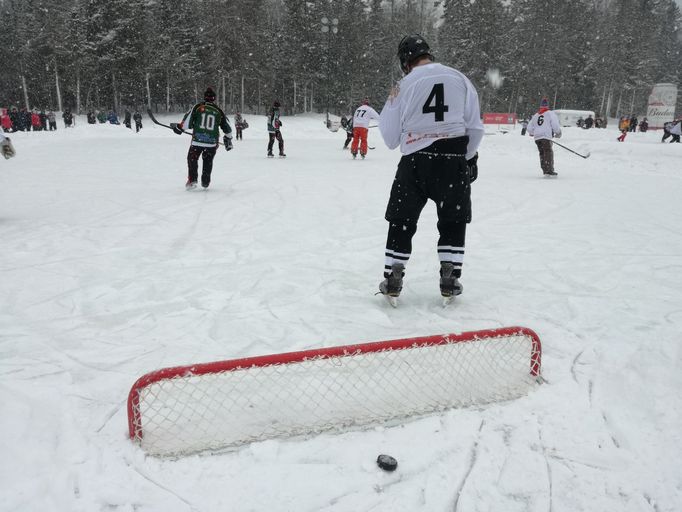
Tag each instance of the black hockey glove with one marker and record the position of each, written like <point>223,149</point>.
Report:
<point>473,168</point>
<point>177,128</point>
<point>228,142</point>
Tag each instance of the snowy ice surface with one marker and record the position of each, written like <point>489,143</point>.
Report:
<point>110,269</point>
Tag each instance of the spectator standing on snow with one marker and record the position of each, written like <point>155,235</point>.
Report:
<point>15,119</point>
<point>126,119</point>
<point>543,127</point>
<point>589,122</point>
<point>137,117</point>
<point>433,114</point>
<point>35,121</point>
<point>643,125</point>
<point>52,120</point>
<point>363,115</point>
<point>633,124</point>
<point>68,118</point>
<point>5,121</point>
<point>25,120</point>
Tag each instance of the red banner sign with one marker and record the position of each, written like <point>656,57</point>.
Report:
<point>499,118</point>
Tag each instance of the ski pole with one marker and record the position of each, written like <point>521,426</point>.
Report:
<point>569,149</point>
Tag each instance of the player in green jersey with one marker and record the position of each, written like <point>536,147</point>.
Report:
<point>205,119</point>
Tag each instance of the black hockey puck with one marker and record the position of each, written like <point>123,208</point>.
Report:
<point>386,462</point>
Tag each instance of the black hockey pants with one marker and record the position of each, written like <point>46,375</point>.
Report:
<point>207,155</point>
<point>277,135</point>
<point>440,173</point>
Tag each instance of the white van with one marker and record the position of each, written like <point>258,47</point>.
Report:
<point>570,117</point>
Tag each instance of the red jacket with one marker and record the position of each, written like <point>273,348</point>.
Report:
<point>6,122</point>
<point>35,119</point>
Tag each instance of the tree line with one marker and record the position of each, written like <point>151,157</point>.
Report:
<point>601,55</point>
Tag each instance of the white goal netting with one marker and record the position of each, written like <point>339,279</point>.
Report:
<point>217,405</point>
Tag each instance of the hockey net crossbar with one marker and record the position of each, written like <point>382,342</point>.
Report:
<point>187,409</point>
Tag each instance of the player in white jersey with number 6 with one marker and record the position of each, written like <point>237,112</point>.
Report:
<point>433,114</point>
<point>543,126</point>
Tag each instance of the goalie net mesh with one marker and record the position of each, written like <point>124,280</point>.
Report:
<point>188,409</point>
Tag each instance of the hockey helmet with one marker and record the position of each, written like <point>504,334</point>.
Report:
<point>410,49</point>
<point>209,95</point>
<point>276,104</point>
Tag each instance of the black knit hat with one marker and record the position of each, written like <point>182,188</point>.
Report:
<point>209,95</point>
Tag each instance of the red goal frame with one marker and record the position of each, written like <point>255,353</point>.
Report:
<point>134,422</point>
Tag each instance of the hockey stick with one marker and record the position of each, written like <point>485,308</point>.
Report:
<point>156,121</point>
<point>569,149</point>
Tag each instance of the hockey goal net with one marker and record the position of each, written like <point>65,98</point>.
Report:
<point>187,409</point>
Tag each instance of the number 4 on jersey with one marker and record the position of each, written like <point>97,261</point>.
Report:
<point>437,97</point>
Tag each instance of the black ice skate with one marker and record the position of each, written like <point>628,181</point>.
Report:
<point>270,155</point>
<point>393,284</point>
<point>354,155</point>
<point>281,154</point>
<point>450,287</point>
<point>551,174</point>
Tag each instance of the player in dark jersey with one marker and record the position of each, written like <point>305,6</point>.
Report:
<point>274,125</point>
<point>205,119</point>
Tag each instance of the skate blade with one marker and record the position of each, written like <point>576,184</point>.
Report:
<point>393,301</point>
<point>448,300</point>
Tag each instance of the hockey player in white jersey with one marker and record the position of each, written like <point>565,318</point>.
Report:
<point>543,126</point>
<point>363,115</point>
<point>433,114</point>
